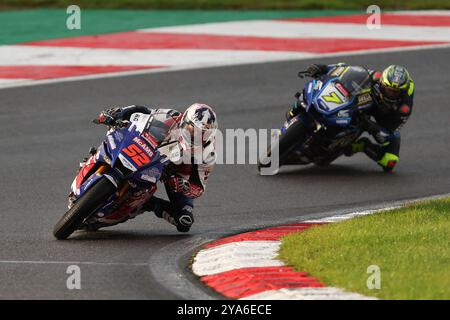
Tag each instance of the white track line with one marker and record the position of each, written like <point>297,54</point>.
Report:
<point>73,263</point>
<point>60,56</point>
<point>282,29</point>
<point>324,293</point>
<point>212,65</point>
<point>354,214</point>
<point>350,215</point>
<point>174,59</point>
<point>11,82</point>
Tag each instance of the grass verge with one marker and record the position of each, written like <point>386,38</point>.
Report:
<point>229,4</point>
<point>411,245</point>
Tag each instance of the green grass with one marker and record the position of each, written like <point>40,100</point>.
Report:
<point>411,245</point>
<point>229,4</point>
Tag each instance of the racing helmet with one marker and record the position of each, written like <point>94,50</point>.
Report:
<point>197,126</point>
<point>394,81</point>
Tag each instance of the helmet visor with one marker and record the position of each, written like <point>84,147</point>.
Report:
<point>390,93</point>
<point>191,136</point>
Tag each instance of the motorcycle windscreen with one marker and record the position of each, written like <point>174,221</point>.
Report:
<point>340,92</point>
<point>162,132</point>
<point>154,128</point>
<point>355,80</point>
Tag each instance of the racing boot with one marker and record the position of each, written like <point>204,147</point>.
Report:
<point>385,159</point>
<point>163,209</point>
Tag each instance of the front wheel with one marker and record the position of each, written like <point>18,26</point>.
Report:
<point>83,208</point>
<point>288,141</point>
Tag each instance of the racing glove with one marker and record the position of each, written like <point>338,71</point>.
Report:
<point>108,117</point>
<point>179,184</point>
<point>315,70</point>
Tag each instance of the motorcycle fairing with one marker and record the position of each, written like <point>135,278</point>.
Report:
<point>133,156</point>
<point>331,100</point>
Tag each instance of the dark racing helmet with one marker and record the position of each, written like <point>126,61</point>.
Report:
<point>394,82</point>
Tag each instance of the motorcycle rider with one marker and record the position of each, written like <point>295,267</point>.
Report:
<point>392,96</point>
<point>185,180</point>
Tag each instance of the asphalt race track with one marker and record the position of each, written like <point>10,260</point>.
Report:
<point>46,130</point>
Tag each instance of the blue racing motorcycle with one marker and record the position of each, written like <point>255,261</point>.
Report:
<point>332,115</point>
<point>121,175</point>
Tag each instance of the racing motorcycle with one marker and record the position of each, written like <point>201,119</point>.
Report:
<point>333,115</point>
<point>121,175</point>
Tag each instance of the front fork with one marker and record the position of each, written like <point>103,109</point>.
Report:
<point>122,186</point>
<point>85,173</point>
<point>121,194</point>
<point>312,126</point>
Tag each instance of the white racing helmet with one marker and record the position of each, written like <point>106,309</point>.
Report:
<point>197,127</point>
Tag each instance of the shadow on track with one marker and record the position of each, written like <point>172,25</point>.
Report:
<point>105,234</point>
<point>333,170</point>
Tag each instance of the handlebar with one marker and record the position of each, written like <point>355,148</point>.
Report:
<point>122,123</point>
<point>302,74</point>
<point>117,123</point>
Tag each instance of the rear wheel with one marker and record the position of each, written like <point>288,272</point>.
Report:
<point>83,208</point>
<point>294,136</point>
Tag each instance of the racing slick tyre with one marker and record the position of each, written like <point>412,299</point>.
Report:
<point>83,208</point>
<point>293,137</point>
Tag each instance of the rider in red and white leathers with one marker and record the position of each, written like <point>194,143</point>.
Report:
<point>185,179</point>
